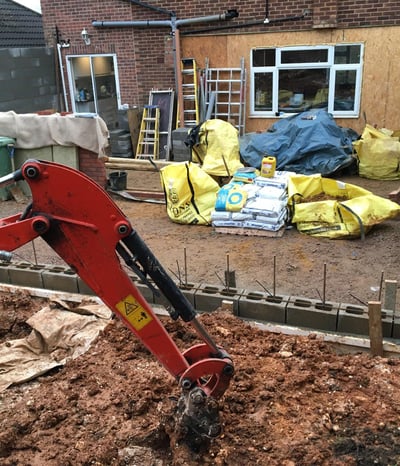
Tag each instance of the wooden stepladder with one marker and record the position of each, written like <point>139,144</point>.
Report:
<point>149,134</point>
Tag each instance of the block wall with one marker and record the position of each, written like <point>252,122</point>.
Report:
<point>27,79</point>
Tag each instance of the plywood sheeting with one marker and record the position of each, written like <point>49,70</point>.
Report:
<point>380,99</point>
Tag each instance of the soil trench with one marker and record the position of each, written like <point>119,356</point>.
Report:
<point>293,400</point>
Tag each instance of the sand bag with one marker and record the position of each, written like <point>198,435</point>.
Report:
<point>190,193</point>
<point>215,146</point>
<point>334,209</point>
<point>378,155</point>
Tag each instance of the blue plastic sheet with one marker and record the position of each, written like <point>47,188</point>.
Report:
<point>309,142</point>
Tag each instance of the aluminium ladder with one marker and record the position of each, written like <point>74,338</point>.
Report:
<point>148,141</point>
<point>225,94</point>
<point>189,93</point>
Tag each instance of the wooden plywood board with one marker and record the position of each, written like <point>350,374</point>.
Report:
<point>380,98</point>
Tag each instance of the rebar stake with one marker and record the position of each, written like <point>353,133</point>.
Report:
<point>380,286</point>
<point>230,278</point>
<point>185,265</point>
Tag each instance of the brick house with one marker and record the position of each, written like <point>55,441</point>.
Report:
<point>336,54</point>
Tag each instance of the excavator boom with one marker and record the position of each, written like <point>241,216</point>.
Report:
<point>80,221</point>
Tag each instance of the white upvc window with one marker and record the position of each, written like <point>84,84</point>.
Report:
<point>294,79</point>
<point>94,85</point>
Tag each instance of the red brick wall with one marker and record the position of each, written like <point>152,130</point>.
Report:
<point>144,54</point>
<point>92,166</point>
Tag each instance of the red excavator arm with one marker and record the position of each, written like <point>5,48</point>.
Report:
<point>80,221</point>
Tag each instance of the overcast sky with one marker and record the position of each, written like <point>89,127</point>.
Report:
<point>32,4</point>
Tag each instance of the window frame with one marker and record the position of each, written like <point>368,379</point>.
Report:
<point>71,77</point>
<point>331,67</point>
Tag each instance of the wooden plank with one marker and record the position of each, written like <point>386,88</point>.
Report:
<point>120,163</point>
<point>375,328</point>
<point>154,197</point>
<point>249,232</point>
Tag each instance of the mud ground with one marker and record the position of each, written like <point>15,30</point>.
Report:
<point>293,400</point>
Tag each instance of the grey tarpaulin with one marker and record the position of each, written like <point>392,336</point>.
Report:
<point>309,142</point>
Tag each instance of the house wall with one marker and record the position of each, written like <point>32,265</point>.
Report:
<point>145,54</point>
<point>379,98</point>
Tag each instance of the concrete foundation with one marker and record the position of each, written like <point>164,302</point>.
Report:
<point>342,318</point>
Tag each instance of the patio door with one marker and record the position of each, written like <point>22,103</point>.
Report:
<point>94,86</point>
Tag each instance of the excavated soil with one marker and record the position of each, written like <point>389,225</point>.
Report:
<point>293,400</point>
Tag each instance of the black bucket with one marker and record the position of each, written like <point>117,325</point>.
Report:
<point>118,181</point>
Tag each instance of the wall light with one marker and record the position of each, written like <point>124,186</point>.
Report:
<point>85,36</point>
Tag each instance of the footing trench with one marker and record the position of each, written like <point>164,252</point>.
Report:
<point>277,312</point>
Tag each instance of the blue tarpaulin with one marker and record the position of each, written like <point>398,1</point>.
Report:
<point>309,142</point>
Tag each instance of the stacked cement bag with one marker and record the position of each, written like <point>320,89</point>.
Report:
<point>260,204</point>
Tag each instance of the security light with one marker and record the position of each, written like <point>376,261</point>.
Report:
<point>85,36</point>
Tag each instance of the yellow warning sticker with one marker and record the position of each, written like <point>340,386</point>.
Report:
<point>134,312</point>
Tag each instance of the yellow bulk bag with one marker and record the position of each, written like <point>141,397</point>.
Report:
<point>190,193</point>
<point>217,148</point>
<point>378,155</point>
<point>334,209</point>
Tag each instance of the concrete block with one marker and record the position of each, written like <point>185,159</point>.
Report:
<point>188,290</point>
<point>123,122</point>
<point>159,298</point>
<point>396,327</point>
<point>66,155</point>
<point>116,134</point>
<point>122,144</point>
<point>25,274</point>
<point>181,152</point>
<point>83,288</point>
<point>4,275</point>
<point>354,319</point>
<point>148,294</point>
<point>208,298</point>
<point>390,295</point>
<point>60,279</point>
<point>263,307</point>
<point>42,153</point>
<point>311,313</point>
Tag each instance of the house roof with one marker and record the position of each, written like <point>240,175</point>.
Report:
<point>20,26</point>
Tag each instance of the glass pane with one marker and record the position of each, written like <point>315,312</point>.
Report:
<point>345,90</point>
<point>84,95</point>
<point>263,91</point>
<point>105,88</point>
<point>347,54</point>
<point>264,57</point>
<point>300,90</point>
<point>304,56</point>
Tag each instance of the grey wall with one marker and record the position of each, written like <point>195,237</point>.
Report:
<point>28,80</point>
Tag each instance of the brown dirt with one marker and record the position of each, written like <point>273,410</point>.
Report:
<point>293,400</point>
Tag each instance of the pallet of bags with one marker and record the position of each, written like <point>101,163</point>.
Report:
<point>261,204</point>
